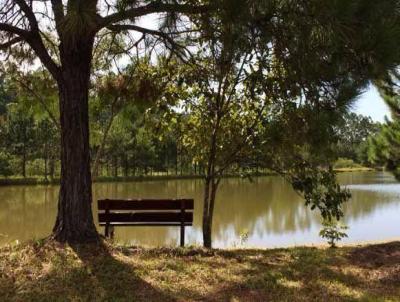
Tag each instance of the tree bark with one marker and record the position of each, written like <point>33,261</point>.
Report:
<point>210,191</point>
<point>74,221</point>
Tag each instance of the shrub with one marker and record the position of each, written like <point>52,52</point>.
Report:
<point>333,232</point>
<point>345,163</point>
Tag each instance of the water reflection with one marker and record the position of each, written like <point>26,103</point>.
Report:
<point>267,209</point>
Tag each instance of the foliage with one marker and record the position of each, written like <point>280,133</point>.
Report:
<point>384,146</point>
<point>345,163</point>
<point>333,232</point>
<point>5,167</point>
<point>320,190</point>
<point>353,131</point>
<point>20,137</point>
<point>298,142</point>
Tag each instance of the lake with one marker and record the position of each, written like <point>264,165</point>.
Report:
<point>263,213</point>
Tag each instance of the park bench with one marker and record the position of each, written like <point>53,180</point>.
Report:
<point>145,212</point>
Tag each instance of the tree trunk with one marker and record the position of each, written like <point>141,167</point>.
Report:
<point>176,159</point>
<point>210,190</point>
<point>206,217</point>
<point>74,221</point>
<point>23,164</point>
<point>115,173</point>
<point>100,151</point>
<point>45,167</point>
<point>126,165</point>
<point>51,166</point>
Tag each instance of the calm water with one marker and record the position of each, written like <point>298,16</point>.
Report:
<point>267,210</point>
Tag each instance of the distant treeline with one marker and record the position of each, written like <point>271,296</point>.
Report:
<point>130,145</point>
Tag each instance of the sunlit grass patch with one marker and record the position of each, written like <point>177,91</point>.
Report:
<point>47,271</point>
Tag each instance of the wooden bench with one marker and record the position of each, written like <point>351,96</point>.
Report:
<point>145,212</point>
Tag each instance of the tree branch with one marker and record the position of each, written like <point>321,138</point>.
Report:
<point>10,43</point>
<point>165,36</point>
<point>36,42</point>
<point>14,30</point>
<point>29,14</point>
<point>40,99</point>
<point>33,38</point>
<point>155,7</point>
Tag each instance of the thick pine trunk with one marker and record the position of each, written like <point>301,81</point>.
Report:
<point>74,221</point>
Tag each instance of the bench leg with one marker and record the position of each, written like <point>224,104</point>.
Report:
<point>111,231</point>
<point>182,235</point>
<point>106,230</point>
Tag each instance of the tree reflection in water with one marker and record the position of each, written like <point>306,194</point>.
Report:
<point>267,209</point>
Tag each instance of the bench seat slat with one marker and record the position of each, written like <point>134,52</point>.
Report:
<point>145,204</point>
<point>145,224</point>
<point>144,217</point>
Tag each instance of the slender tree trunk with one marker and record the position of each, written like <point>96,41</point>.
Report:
<point>210,190</point>
<point>115,166</point>
<point>100,151</point>
<point>45,164</point>
<point>51,166</point>
<point>74,221</point>
<point>176,159</point>
<point>206,218</point>
<point>126,166</point>
<point>211,185</point>
<point>23,163</point>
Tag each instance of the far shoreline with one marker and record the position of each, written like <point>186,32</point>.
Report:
<point>32,181</point>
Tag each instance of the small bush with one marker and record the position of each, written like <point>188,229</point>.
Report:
<point>333,232</point>
<point>345,163</point>
<point>5,167</point>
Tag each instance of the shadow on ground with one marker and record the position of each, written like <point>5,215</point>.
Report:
<point>47,272</point>
<point>85,273</point>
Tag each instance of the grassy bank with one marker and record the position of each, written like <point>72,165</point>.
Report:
<point>41,181</point>
<point>46,271</point>
<point>354,169</point>
<point>15,181</point>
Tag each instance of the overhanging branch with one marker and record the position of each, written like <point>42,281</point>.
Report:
<point>152,8</point>
<point>29,14</point>
<point>14,30</point>
<point>125,27</point>
<point>10,43</point>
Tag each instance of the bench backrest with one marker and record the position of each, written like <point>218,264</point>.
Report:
<point>147,212</point>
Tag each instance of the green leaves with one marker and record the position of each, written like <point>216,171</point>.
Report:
<point>384,147</point>
<point>320,189</point>
<point>333,232</point>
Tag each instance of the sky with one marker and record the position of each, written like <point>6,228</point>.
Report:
<point>371,104</point>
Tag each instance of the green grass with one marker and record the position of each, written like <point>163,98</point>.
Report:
<point>348,165</point>
<point>47,271</point>
<point>354,169</point>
